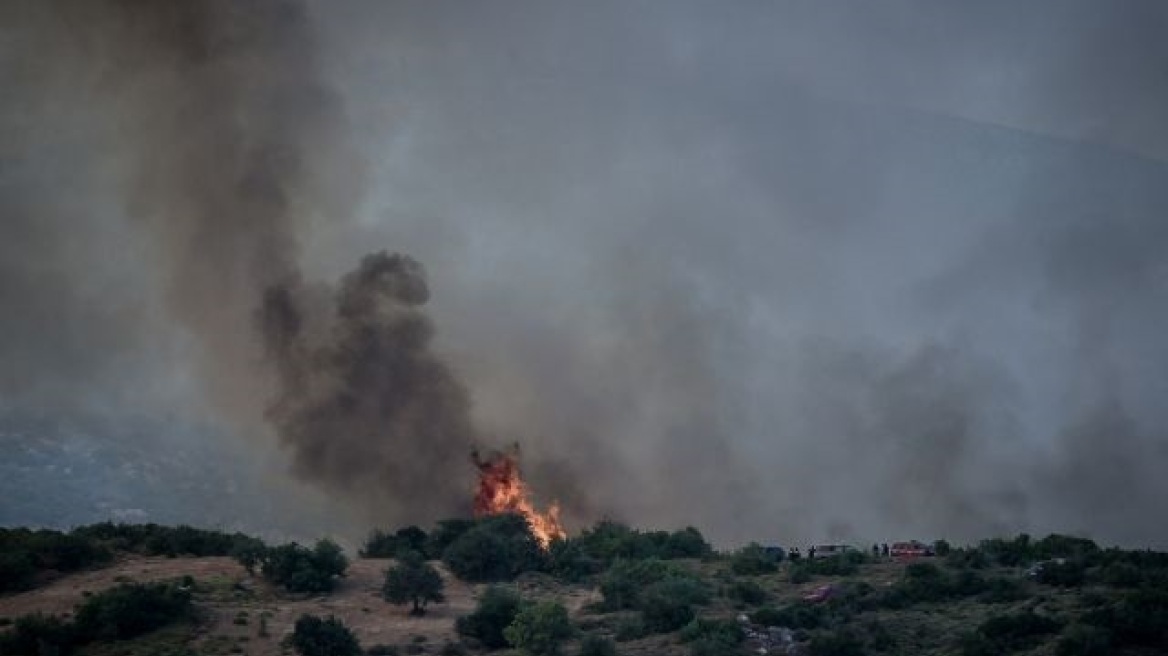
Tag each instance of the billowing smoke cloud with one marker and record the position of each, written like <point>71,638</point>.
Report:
<point>788,273</point>
<point>367,408</point>
<point>231,145</point>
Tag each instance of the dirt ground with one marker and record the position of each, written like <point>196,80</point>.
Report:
<point>243,614</point>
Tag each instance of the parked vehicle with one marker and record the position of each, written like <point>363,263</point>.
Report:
<point>911,549</point>
<point>829,550</point>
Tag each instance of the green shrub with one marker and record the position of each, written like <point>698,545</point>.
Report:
<point>496,610</point>
<point>663,611</point>
<point>594,645</point>
<point>609,541</point>
<point>686,543</point>
<point>793,616</point>
<point>624,582</point>
<point>412,580</point>
<point>313,636</point>
<point>799,572</point>
<point>568,561</point>
<point>39,634</point>
<point>842,565</point>
<point>24,553</point>
<point>963,558</point>
<point>747,592</point>
<point>630,627</point>
<point>723,630</point>
<point>835,643</point>
<point>122,612</point>
<point>1005,633</point>
<point>380,544</point>
<point>130,610</point>
<point>1138,618</point>
<point>496,548</point>
<point>300,569</point>
<point>539,629</point>
<point>156,540</point>
<point>713,646</point>
<point>753,560</point>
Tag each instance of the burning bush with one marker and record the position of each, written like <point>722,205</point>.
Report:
<point>501,490</point>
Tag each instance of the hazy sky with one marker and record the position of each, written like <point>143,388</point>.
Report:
<point>783,270</point>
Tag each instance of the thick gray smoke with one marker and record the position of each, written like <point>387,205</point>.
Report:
<point>231,145</point>
<point>367,408</point>
<point>785,271</point>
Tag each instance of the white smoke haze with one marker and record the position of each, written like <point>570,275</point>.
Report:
<point>782,271</point>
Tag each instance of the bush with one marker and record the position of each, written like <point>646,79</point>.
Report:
<point>721,630</point>
<point>25,553</point>
<point>496,610</point>
<point>313,636</point>
<point>412,580</point>
<point>1005,633</point>
<point>594,645</point>
<point>623,584</point>
<point>713,638</point>
<point>835,643</point>
<point>567,561</point>
<point>631,627</point>
<point>662,610</point>
<point>300,569</point>
<point>747,592</point>
<point>539,629</point>
<point>130,610</point>
<point>125,611</point>
<point>792,616</point>
<point>156,540</point>
<point>686,543</point>
<point>842,565</point>
<point>496,548</point>
<point>715,647</point>
<point>1137,618</point>
<point>752,560</point>
<point>609,541</point>
<point>384,545</point>
<point>39,634</point>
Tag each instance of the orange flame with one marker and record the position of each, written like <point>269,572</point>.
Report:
<point>502,490</point>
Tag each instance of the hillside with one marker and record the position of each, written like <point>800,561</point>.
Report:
<point>647,595</point>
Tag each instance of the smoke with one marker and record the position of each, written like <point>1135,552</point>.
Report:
<point>786,273</point>
<point>230,144</point>
<point>368,409</point>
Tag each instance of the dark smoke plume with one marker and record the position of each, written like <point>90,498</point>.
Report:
<point>369,409</point>
<point>232,145</point>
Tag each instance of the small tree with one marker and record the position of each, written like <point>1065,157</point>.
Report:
<point>539,629</point>
<point>413,580</point>
<point>495,612</point>
<point>313,636</point>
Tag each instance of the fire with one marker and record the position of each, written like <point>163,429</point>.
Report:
<point>502,490</point>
